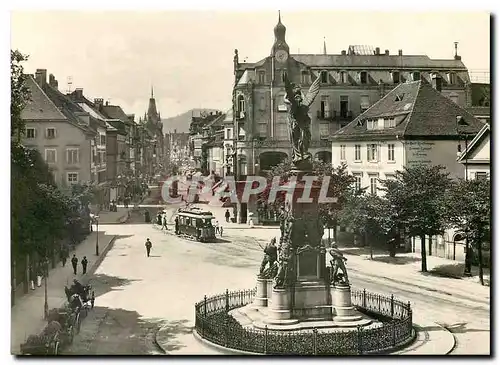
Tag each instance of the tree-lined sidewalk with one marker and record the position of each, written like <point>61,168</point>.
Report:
<point>27,315</point>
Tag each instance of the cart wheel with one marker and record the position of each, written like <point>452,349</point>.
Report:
<point>78,322</point>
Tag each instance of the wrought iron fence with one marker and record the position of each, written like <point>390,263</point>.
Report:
<point>214,323</point>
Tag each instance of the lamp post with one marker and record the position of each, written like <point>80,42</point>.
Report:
<point>97,235</point>
<point>461,123</point>
<point>46,302</point>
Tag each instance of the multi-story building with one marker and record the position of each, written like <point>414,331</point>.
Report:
<point>176,149</point>
<point>476,157</point>
<point>413,124</point>
<point>60,130</point>
<point>198,136</point>
<point>350,83</point>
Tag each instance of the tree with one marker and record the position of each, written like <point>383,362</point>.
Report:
<point>367,215</point>
<point>341,186</point>
<point>469,211</point>
<point>19,95</point>
<point>417,199</point>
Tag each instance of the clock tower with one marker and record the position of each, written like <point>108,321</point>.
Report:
<point>280,50</point>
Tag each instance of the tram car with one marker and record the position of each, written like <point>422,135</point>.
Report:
<point>195,224</point>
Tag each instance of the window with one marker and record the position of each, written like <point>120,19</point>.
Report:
<point>452,78</point>
<point>241,104</point>
<point>365,103</point>
<point>51,133</point>
<point>370,124</point>
<point>395,77</point>
<point>344,106</point>
<point>325,108</point>
<point>72,177</point>
<point>415,76</point>
<point>373,184</point>
<point>324,131</point>
<point>357,152</point>
<point>363,77</point>
<point>72,156</point>
<point>94,157</point>
<point>281,131</point>
<point>102,155</point>
<point>30,133</point>
<point>389,123</point>
<point>305,77</point>
<point>102,140</point>
<point>357,181</point>
<point>324,77</point>
<point>390,152</point>
<point>262,77</point>
<point>50,155</point>
<point>481,175</point>
<point>262,103</point>
<point>371,152</point>
<point>262,130</point>
<point>343,77</point>
<point>342,152</point>
<point>284,75</point>
<point>229,134</point>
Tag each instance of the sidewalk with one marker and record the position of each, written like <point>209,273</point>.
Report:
<point>28,312</point>
<point>120,216</point>
<point>405,269</point>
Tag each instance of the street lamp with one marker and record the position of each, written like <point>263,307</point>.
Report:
<point>462,123</point>
<point>46,302</point>
<point>96,218</point>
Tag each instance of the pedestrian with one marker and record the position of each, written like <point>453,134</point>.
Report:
<point>176,224</point>
<point>32,277</point>
<point>227,215</point>
<point>216,225</point>
<point>84,264</point>
<point>64,255</point>
<point>148,246</point>
<point>74,263</point>
<point>221,229</point>
<point>165,222</point>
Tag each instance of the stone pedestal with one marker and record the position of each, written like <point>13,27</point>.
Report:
<point>280,308</point>
<point>261,297</point>
<point>343,311</point>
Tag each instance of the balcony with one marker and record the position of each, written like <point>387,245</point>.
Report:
<point>326,115</point>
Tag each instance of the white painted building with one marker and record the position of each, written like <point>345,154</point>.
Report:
<point>477,155</point>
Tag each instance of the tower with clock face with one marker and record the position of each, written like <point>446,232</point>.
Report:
<point>280,50</point>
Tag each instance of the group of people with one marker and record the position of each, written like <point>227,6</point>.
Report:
<point>74,263</point>
<point>161,220</point>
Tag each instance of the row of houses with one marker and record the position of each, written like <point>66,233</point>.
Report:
<point>91,141</point>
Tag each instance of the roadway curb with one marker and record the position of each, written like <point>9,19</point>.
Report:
<point>444,343</point>
<point>157,343</point>
<point>223,350</point>
<point>101,257</point>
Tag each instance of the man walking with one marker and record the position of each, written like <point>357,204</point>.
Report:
<point>84,264</point>
<point>148,246</point>
<point>227,215</point>
<point>74,263</point>
<point>176,224</point>
<point>164,222</point>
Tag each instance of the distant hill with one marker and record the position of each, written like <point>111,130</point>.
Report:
<point>182,121</point>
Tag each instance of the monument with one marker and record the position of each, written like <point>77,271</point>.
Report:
<point>299,292</point>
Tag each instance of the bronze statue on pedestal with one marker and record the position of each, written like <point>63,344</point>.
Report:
<point>339,271</point>
<point>299,120</point>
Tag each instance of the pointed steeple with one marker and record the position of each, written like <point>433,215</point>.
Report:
<point>279,37</point>
<point>152,112</point>
<point>152,94</point>
<point>324,45</point>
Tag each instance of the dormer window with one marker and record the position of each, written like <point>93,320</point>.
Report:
<point>399,97</point>
<point>370,124</point>
<point>395,77</point>
<point>363,77</point>
<point>452,78</point>
<point>324,77</point>
<point>305,78</point>
<point>415,76</point>
<point>389,123</point>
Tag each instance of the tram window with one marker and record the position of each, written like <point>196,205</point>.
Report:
<point>193,222</point>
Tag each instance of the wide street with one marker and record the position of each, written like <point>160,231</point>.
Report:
<point>136,295</point>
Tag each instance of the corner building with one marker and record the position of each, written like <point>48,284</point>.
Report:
<point>350,83</point>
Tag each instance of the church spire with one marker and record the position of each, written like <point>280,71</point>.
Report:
<point>152,94</point>
<point>279,37</point>
<point>324,45</point>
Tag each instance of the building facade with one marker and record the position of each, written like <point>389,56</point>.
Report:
<point>350,83</point>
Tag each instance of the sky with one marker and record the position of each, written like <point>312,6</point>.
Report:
<point>187,56</point>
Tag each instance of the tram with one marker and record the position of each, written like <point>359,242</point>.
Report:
<point>196,224</point>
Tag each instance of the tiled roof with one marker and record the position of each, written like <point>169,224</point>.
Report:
<point>419,111</point>
<point>376,61</point>
<point>245,78</point>
<point>479,110</point>
<point>40,107</point>
<point>114,112</point>
<point>118,125</point>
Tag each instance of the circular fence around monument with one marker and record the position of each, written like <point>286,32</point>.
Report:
<point>214,324</point>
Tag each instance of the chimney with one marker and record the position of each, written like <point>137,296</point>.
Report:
<point>400,52</point>
<point>387,52</point>
<point>41,76</point>
<point>377,51</point>
<point>98,102</point>
<point>437,82</point>
<point>53,82</point>
<point>107,103</point>
<point>343,53</point>
<point>78,93</point>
